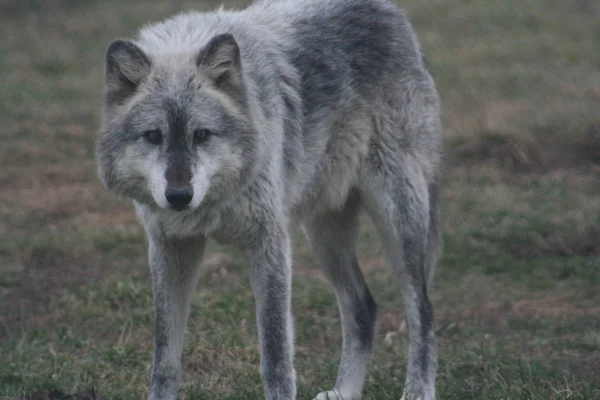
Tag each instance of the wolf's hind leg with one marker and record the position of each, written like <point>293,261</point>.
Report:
<point>399,204</point>
<point>332,236</point>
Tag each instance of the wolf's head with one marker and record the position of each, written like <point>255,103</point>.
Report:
<point>176,130</point>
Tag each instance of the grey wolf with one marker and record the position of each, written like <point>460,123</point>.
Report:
<point>233,125</point>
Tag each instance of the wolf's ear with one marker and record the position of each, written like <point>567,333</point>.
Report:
<point>221,61</point>
<point>126,66</point>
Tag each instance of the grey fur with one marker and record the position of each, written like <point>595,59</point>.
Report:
<point>291,111</point>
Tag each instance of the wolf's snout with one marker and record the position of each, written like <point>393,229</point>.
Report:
<point>179,198</point>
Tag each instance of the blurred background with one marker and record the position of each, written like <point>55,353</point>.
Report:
<point>516,293</point>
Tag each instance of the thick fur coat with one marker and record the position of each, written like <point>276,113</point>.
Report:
<point>232,125</point>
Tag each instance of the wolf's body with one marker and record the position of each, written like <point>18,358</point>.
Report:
<point>232,125</point>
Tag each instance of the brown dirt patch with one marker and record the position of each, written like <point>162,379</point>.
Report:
<point>582,241</point>
<point>41,278</point>
<point>505,150</point>
<point>496,315</point>
<point>546,150</point>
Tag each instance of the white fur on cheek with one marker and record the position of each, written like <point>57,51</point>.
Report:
<point>158,183</point>
<point>134,164</point>
<point>202,174</point>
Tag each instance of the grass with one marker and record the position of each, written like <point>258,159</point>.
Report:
<point>516,293</point>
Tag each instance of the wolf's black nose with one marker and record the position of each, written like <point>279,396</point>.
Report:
<point>179,198</point>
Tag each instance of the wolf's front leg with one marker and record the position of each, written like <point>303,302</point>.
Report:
<point>271,278</point>
<point>175,265</point>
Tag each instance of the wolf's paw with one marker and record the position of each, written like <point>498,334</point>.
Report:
<point>407,396</point>
<point>336,394</point>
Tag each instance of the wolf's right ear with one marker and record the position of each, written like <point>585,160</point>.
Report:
<point>126,66</point>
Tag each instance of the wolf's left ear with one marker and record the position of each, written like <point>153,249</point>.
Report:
<point>221,60</point>
<point>126,67</point>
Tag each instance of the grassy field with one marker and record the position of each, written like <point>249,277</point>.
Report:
<point>516,294</point>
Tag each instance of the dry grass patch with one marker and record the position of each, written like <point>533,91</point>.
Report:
<point>85,394</point>
<point>507,151</point>
<point>545,150</point>
<point>579,241</point>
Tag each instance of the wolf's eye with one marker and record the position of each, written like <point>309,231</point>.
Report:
<point>201,135</point>
<point>153,137</point>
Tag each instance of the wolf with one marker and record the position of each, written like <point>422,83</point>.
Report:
<point>234,125</point>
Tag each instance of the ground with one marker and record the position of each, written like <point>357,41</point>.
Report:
<point>516,294</point>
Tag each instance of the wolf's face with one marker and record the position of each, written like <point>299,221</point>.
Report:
<point>176,131</point>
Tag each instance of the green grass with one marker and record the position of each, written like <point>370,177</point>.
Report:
<point>516,293</point>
